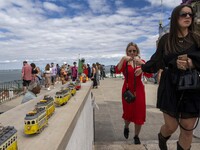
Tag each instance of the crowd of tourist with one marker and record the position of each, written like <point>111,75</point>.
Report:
<point>52,73</point>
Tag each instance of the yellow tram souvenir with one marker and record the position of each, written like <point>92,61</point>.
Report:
<point>72,88</point>
<point>48,104</point>
<point>35,121</point>
<point>8,138</point>
<point>62,97</point>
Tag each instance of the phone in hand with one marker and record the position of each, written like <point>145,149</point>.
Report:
<point>183,57</point>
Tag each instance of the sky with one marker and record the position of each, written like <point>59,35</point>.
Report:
<point>45,31</point>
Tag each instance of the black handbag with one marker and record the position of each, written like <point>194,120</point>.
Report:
<point>178,115</point>
<point>128,95</point>
<point>189,80</point>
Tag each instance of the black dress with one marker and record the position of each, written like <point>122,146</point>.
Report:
<point>168,96</point>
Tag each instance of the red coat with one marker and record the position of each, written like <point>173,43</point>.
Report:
<point>136,111</point>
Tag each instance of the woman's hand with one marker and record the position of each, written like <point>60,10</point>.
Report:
<point>139,61</point>
<point>181,64</point>
<point>138,71</point>
<point>127,58</point>
<point>184,64</point>
<point>190,63</point>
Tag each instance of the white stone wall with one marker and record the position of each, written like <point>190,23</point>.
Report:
<point>83,135</point>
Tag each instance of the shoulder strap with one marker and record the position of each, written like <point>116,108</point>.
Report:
<point>134,78</point>
<point>126,73</point>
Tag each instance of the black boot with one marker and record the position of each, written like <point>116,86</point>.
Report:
<point>162,141</point>
<point>180,148</point>
<point>136,139</point>
<point>126,132</point>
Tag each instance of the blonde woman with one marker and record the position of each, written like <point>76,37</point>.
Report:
<point>134,112</point>
<point>47,75</point>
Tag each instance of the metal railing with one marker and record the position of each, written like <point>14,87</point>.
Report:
<point>10,90</point>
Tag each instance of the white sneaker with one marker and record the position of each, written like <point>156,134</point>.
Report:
<point>48,89</point>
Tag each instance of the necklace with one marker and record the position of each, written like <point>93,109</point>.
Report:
<point>181,40</point>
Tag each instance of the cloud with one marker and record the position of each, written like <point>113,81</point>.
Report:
<point>54,31</point>
<point>75,6</point>
<point>125,11</point>
<point>53,7</point>
<point>99,6</point>
<point>166,3</point>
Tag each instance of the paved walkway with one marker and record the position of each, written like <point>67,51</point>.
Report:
<point>109,124</point>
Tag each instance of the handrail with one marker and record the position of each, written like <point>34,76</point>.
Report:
<point>10,90</point>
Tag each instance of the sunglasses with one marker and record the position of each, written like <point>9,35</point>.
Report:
<point>134,51</point>
<point>185,14</point>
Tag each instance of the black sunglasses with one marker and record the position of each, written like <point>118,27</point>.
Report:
<point>132,51</point>
<point>184,14</point>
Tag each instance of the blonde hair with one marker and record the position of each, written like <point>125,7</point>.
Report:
<point>135,45</point>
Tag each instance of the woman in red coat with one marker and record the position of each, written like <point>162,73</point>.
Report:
<point>136,111</point>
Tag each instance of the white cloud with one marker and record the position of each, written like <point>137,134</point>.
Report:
<point>126,11</point>
<point>99,6</point>
<point>53,7</point>
<point>75,6</point>
<point>167,3</point>
<point>28,34</point>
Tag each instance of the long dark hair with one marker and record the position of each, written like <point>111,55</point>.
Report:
<point>173,44</point>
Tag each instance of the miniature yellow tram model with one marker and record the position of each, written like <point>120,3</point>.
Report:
<point>48,104</point>
<point>72,88</point>
<point>62,97</point>
<point>8,138</point>
<point>35,121</point>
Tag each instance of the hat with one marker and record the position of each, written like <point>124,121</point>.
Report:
<point>32,85</point>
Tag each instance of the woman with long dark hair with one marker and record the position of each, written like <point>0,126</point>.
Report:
<point>177,52</point>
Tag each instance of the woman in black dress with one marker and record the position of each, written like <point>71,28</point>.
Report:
<point>180,40</point>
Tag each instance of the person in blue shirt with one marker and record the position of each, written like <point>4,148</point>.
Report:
<point>33,90</point>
